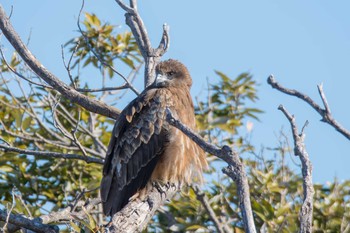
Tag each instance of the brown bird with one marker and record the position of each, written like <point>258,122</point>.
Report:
<point>144,148</point>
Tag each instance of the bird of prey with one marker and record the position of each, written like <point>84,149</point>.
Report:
<point>144,148</point>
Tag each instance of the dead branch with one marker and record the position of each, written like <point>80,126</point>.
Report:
<point>151,56</point>
<point>235,169</point>
<point>67,91</point>
<point>324,112</point>
<point>305,214</point>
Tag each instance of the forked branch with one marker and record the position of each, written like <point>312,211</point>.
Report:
<point>305,214</point>
<point>324,112</point>
<point>151,56</point>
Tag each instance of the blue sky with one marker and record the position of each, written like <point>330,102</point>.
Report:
<point>302,43</point>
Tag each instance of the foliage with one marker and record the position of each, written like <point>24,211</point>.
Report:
<point>108,46</point>
<point>227,107</point>
<point>37,118</point>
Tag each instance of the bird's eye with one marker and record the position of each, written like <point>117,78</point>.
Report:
<point>170,73</point>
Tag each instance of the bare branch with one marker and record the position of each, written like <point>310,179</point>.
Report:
<point>67,91</point>
<point>164,43</point>
<point>235,169</point>
<point>67,66</point>
<point>67,214</point>
<point>124,86</point>
<point>325,113</point>
<point>34,224</point>
<point>151,56</point>
<point>45,154</point>
<point>323,98</point>
<point>137,213</point>
<point>306,211</point>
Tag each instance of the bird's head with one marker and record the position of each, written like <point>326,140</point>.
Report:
<point>172,73</point>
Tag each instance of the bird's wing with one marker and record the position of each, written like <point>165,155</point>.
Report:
<point>138,136</point>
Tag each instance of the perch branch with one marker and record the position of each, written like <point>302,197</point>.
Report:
<point>305,214</point>
<point>235,169</point>
<point>67,91</point>
<point>135,216</point>
<point>325,113</point>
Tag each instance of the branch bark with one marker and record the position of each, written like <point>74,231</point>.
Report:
<point>305,214</point>
<point>235,170</point>
<point>135,216</point>
<point>67,91</point>
<point>31,224</point>
<point>324,112</point>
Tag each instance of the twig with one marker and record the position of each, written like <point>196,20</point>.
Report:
<point>68,92</point>
<point>20,75</point>
<point>220,227</point>
<point>235,169</point>
<point>124,86</point>
<point>67,66</point>
<point>305,214</point>
<point>67,214</point>
<point>46,154</point>
<point>12,206</point>
<point>325,113</point>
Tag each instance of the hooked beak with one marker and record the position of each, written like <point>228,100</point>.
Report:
<point>160,80</point>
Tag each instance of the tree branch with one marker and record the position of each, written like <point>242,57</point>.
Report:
<point>135,216</point>
<point>67,91</point>
<point>151,56</point>
<point>235,169</point>
<point>87,159</point>
<point>69,213</point>
<point>220,227</point>
<point>305,214</point>
<point>325,113</point>
<point>31,224</point>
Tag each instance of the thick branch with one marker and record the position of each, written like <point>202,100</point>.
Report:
<point>87,159</point>
<point>31,224</point>
<point>324,112</point>
<point>67,91</point>
<point>305,214</point>
<point>135,216</point>
<point>235,169</point>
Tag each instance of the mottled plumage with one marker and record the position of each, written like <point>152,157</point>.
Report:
<point>144,147</point>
